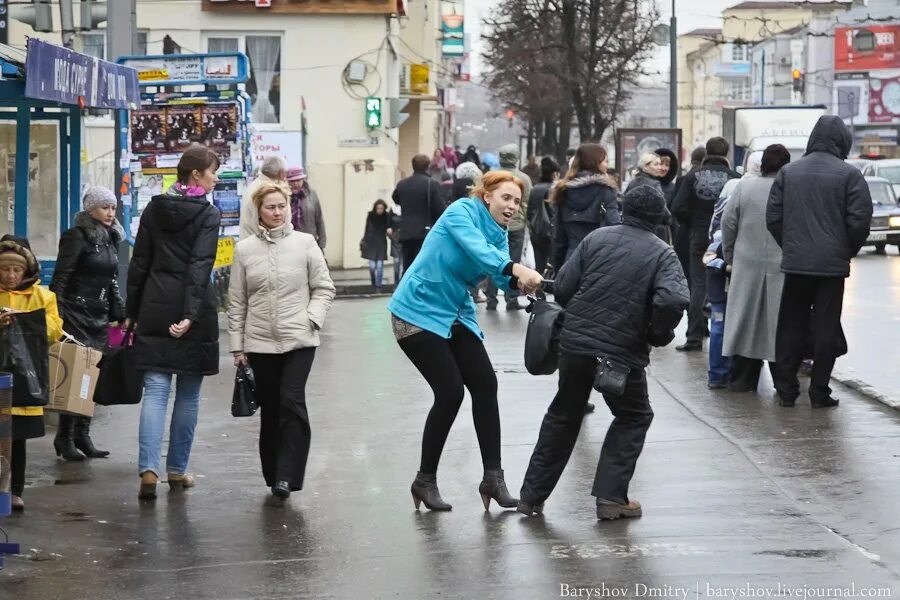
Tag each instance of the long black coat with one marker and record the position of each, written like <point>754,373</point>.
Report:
<point>419,197</point>
<point>623,291</point>
<point>374,242</point>
<point>168,281</point>
<point>85,280</point>
<point>819,208</point>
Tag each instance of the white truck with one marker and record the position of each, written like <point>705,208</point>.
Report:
<point>752,128</point>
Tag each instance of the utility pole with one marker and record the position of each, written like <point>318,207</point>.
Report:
<point>673,69</point>
<point>121,33</point>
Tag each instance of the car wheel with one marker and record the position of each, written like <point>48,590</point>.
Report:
<point>880,249</point>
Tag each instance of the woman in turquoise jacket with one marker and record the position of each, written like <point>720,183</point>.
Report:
<point>434,322</point>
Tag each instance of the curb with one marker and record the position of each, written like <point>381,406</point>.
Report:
<point>849,378</point>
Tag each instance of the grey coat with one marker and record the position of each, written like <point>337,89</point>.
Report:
<point>754,295</point>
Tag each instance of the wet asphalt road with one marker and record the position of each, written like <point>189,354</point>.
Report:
<point>738,493</point>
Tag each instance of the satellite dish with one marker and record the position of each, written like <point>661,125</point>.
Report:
<point>660,35</point>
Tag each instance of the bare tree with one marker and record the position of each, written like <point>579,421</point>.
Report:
<point>555,59</point>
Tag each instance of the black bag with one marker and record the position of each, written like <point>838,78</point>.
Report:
<point>539,225</point>
<point>25,352</point>
<point>243,400</point>
<point>611,377</point>
<point>119,381</point>
<point>542,337</point>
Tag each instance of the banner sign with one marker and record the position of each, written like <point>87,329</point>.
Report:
<point>189,69</point>
<point>453,36</point>
<point>58,74</point>
<point>867,47</point>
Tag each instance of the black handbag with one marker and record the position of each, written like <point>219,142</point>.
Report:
<point>611,377</point>
<point>119,381</point>
<point>25,352</point>
<point>542,337</point>
<point>243,400</point>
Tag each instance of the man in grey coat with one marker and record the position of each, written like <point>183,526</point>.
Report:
<point>306,211</point>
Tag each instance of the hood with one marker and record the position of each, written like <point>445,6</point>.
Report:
<point>579,195</point>
<point>509,156</point>
<point>175,213</point>
<point>674,166</point>
<point>96,232</point>
<point>830,135</point>
<point>33,271</point>
<point>273,235</point>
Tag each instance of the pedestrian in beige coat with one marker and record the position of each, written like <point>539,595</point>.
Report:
<point>279,295</point>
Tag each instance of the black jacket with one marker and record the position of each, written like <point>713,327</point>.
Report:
<point>419,197</point>
<point>374,242</point>
<point>85,280</point>
<point>583,204</point>
<point>819,208</point>
<point>697,197</point>
<point>168,280</point>
<point>537,201</point>
<point>667,181</point>
<point>623,291</point>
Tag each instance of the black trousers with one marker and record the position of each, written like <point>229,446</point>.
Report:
<point>17,467</point>
<point>698,326</point>
<point>516,246</point>
<point>450,367</point>
<point>542,250</point>
<point>682,247</point>
<point>411,249</point>
<point>284,433</point>
<point>808,304</point>
<point>559,432</point>
<point>745,373</point>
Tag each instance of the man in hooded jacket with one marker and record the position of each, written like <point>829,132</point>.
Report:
<point>819,212</point>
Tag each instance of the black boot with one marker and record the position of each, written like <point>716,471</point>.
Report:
<point>425,489</point>
<point>493,487</point>
<point>83,439</point>
<point>63,442</point>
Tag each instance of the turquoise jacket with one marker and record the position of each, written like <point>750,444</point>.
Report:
<point>464,246</point>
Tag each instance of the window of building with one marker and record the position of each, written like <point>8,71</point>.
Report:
<point>141,43</point>
<point>94,44</point>
<point>738,89</point>
<point>740,52</point>
<point>264,85</point>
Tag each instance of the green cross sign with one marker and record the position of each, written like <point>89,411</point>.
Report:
<point>373,112</point>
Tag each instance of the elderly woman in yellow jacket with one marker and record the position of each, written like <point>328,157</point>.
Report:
<point>20,293</point>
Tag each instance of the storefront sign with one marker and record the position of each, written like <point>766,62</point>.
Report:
<point>189,69</point>
<point>867,47</point>
<point>360,7</point>
<point>414,79</point>
<point>60,75</point>
<point>453,37</point>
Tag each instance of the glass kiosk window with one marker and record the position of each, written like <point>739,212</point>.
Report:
<point>43,186</point>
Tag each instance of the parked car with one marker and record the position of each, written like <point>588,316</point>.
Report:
<point>885,228</point>
<point>888,169</point>
<point>859,163</point>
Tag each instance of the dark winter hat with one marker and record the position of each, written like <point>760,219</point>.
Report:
<point>645,202</point>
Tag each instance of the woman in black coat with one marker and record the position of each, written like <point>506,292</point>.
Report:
<point>86,285</point>
<point>173,307</point>
<point>374,242</point>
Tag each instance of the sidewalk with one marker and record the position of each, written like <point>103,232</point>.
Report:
<point>737,492</point>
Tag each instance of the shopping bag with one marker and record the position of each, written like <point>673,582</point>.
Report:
<point>243,400</point>
<point>73,377</point>
<point>25,352</point>
<point>542,337</point>
<point>119,381</point>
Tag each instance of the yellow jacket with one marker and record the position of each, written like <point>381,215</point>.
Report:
<point>35,298</point>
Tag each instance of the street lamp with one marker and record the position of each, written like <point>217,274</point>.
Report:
<point>673,70</point>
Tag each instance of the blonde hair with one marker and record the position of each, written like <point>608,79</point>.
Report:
<point>494,179</point>
<point>647,160</point>
<point>270,188</point>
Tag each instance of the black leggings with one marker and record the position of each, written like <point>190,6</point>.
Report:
<point>450,367</point>
<point>17,476</point>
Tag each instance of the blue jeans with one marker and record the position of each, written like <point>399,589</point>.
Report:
<point>719,366</point>
<point>153,421</point>
<point>376,272</point>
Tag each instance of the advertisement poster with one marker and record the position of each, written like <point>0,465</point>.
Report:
<point>884,97</point>
<point>227,198</point>
<point>867,48</point>
<point>631,144</point>
<point>220,126</point>
<point>851,97</point>
<point>287,145</point>
<point>182,127</point>
<point>147,130</point>
<point>453,37</point>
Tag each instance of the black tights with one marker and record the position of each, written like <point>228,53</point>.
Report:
<point>449,367</point>
<point>17,476</point>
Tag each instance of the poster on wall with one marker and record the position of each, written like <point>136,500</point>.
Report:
<point>453,36</point>
<point>884,97</point>
<point>867,47</point>
<point>219,126</point>
<point>227,198</point>
<point>631,144</point>
<point>147,130</point>
<point>286,145</point>
<point>182,127</point>
<point>851,97</point>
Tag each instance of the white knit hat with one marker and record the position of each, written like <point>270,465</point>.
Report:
<point>97,196</point>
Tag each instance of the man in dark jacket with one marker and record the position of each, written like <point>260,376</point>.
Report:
<point>419,197</point>
<point>694,204</point>
<point>682,230</point>
<point>623,291</point>
<point>819,212</point>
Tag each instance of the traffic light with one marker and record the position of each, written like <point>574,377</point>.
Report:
<point>396,116</point>
<point>797,80</point>
<point>373,112</point>
<point>38,14</point>
<point>92,14</point>
<point>510,116</point>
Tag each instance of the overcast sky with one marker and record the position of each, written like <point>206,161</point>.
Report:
<point>692,14</point>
